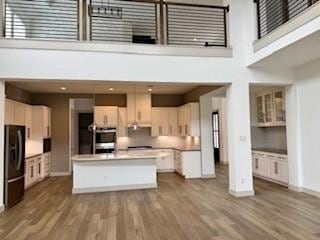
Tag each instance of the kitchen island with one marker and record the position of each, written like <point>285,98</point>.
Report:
<point>94,173</point>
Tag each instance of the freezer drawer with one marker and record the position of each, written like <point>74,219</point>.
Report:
<point>14,191</point>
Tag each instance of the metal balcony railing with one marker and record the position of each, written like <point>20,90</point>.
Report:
<point>117,21</point>
<point>274,13</point>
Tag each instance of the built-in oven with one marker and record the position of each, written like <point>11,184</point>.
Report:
<point>105,140</point>
<point>46,145</point>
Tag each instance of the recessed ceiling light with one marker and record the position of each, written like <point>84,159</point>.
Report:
<point>63,88</point>
<point>150,89</point>
<point>111,89</point>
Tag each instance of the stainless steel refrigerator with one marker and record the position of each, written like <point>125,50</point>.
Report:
<point>14,164</point>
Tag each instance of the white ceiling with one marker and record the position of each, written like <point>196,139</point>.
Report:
<point>85,87</point>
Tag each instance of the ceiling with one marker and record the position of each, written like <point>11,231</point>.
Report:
<point>85,87</point>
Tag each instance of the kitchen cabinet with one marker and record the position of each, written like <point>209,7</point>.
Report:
<point>28,121</point>
<point>106,116</point>
<point>165,163</point>
<point>30,172</point>
<point>41,122</point>
<point>122,130</point>
<point>46,165</point>
<point>139,109</point>
<point>173,121</point>
<point>14,113</point>
<point>160,122</point>
<point>270,166</point>
<point>188,163</point>
<point>270,108</point>
<point>189,120</point>
<point>9,112</point>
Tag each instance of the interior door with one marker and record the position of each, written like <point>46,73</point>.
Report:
<point>216,136</point>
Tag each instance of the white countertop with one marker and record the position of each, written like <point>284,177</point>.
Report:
<point>134,155</point>
<point>30,155</point>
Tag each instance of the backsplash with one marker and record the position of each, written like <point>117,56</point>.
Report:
<point>143,137</point>
<point>33,146</point>
<point>270,137</point>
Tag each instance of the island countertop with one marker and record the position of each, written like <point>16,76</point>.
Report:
<point>118,156</point>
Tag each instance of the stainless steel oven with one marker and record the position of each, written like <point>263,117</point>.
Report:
<point>105,140</point>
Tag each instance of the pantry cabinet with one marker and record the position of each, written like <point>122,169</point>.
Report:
<point>41,122</point>
<point>270,166</point>
<point>106,116</point>
<point>270,108</point>
<point>139,109</point>
<point>189,120</point>
<point>122,122</point>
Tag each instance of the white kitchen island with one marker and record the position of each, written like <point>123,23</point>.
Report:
<point>114,172</point>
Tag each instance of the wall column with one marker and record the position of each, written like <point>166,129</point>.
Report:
<point>239,140</point>
<point>2,112</point>
<point>293,139</point>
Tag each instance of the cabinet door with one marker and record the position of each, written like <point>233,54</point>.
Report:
<point>279,106</point>
<point>122,122</point>
<point>38,167</point>
<point>45,124</point>
<point>278,170</point>
<point>182,121</point>
<point>26,174</point>
<point>193,120</point>
<point>260,112</point>
<point>28,121</point>
<point>106,116</point>
<point>268,108</point>
<point>32,171</point>
<point>143,109</point>
<point>49,122</point>
<point>19,114</point>
<point>131,109</point>
<point>9,112</point>
<point>261,165</point>
<point>173,121</point>
<point>160,122</point>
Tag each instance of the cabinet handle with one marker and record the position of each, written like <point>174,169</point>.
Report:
<point>48,131</point>
<point>139,115</point>
<point>276,168</point>
<point>31,174</point>
<point>257,164</point>
<point>28,134</point>
<point>180,129</point>
<point>39,165</point>
<point>160,130</point>
<point>106,119</point>
<point>170,129</point>
<point>186,129</point>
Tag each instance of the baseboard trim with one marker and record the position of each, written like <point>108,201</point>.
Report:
<point>242,193</point>
<point>2,208</point>
<point>165,170</point>
<point>114,188</point>
<point>208,176</point>
<point>305,190</point>
<point>59,174</point>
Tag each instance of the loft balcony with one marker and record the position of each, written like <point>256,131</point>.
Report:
<point>135,26</point>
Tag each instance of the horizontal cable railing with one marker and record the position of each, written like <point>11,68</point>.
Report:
<point>196,25</point>
<point>274,13</point>
<point>117,21</point>
<point>123,21</point>
<point>41,19</point>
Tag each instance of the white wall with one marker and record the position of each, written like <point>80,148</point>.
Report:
<point>308,89</point>
<point>2,110</point>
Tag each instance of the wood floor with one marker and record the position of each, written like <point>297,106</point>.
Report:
<point>178,209</point>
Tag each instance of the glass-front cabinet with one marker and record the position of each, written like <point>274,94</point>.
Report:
<point>270,108</point>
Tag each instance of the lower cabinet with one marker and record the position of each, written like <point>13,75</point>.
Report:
<point>188,163</point>
<point>269,166</point>
<point>165,163</point>
<point>36,169</point>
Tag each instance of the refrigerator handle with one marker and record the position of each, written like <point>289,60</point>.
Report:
<point>20,150</point>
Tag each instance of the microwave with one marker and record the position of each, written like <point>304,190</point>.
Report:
<point>105,140</point>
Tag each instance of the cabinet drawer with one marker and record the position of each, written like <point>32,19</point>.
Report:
<point>260,166</point>
<point>278,170</point>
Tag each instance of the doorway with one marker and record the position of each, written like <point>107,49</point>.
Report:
<point>85,136</point>
<point>216,136</point>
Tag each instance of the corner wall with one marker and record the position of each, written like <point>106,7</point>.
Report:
<point>308,89</point>
<point>2,107</point>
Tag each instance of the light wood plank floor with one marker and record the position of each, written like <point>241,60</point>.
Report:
<point>178,209</point>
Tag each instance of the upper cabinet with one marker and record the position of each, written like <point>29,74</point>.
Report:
<point>106,116</point>
<point>14,113</point>
<point>189,120</point>
<point>139,109</point>
<point>41,122</point>
<point>160,122</point>
<point>122,122</point>
<point>270,108</point>
<point>173,121</point>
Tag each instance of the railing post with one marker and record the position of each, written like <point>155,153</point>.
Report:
<point>258,18</point>
<point>225,26</point>
<point>161,4</point>
<point>2,18</point>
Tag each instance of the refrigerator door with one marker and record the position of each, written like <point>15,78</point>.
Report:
<point>14,164</point>
<point>14,151</point>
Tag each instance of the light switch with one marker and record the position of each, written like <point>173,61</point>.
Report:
<point>243,138</point>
